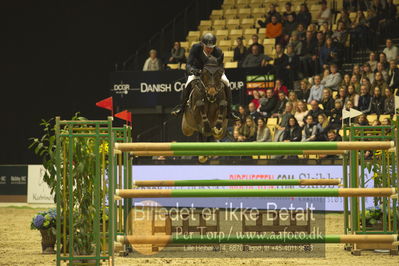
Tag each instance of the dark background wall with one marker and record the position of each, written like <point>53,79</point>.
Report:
<point>56,58</point>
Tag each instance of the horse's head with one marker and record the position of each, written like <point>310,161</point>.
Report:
<point>211,77</point>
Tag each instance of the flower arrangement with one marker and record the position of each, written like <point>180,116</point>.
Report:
<point>373,215</point>
<point>44,220</point>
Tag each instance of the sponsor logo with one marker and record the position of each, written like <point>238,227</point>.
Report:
<point>121,88</point>
<point>236,85</point>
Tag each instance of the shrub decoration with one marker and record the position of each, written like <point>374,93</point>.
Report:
<point>44,220</point>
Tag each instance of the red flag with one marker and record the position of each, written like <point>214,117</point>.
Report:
<point>106,104</point>
<point>125,115</point>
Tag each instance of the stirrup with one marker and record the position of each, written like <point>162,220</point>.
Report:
<point>177,110</point>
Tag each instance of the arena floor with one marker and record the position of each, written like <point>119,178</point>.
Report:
<point>21,246</point>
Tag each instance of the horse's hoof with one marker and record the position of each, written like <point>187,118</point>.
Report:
<point>217,131</point>
<point>202,159</point>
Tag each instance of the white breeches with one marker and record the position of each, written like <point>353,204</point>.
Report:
<point>192,77</point>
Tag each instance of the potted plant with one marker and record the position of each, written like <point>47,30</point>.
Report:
<point>45,222</point>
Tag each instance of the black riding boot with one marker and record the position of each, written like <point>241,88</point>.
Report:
<point>229,96</point>
<point>185,94</point>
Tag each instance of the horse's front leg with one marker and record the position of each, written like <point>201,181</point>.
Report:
<point>206,125</point>
<point>218,128</point>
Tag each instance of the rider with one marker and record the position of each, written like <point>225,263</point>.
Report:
<point>199,55</point>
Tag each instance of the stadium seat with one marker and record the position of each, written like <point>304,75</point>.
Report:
<point>262,32</point>
<point>269,41</point>
<point>173,66</point>
<point>185,45</point>
<point>272,121</point>
<point>382,117</point>
<point>231,65</point>
<point>269,50</point>
<point>371,118</point>
<point>244,13</point>
<point>183,66</point>
<point>352,16</point>
<point>231,13</point>
<point>233,24</point>
<point>234,34</point>
<point>193,36</point>
<point>258,12</point>
<point>242,3</point>
<point>216,14</point>
<point>249,32</point>
<point>256,3</point>
<point>205,25</point>
<point>334,94</point>
<point>225,45</point>
<point>227,4</point>
<point>228,56</point>
<point>222,34</point>
<point>219,24</point>
<point>247,23</point>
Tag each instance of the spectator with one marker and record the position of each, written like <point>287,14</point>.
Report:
<point>365,82</point>
<point>391,51</point>
<point>386,122</point>
<point>272,12</point>
<point>364,100</point>
<point>304,17</point>
<point>255,41</point>
<point>352,96</point>
<point>279,87</point>
<point>360,31</point>
<point>292,132</point>
<point>315,110</point>
<point>252,112</point>
<point>268,104</point>
<point>309,130</point>
<point>242,113</point>
<point>152,63</point>
<point>240,52</point>
<point>389,18</point>
<point>333,136</point>
<point>301,32</point>
<point>281,104</point>
<point>280,63</point>
<point>383,60</point>
<point>333,80</point>
<point>263,133</point>
<point>322,127</point>
<point>357,72</point>
<point>336,115</point>
<point>295,43</point>
<point>288,27</point>
<point>274,29</point>
<point>381,69</point>
<point>303,91</point>
<point>327,101</point>
<point>367,73</point>
<point>340,34</point>
<point>355,82</point>
<point>249,129</point>
<point>237,136</point>
<point>284,118</point>
<point>254,59</point>
<point>292,67</point>
<point>345,19</point>
<point>389,104</point>
<point>292,98</point>
<point>377,102</point>
<point>379,81</point>
<point>341,94</point>
<point>324,14</point>
<point>372,61</point>
<point>362,120</point>
<point>301,112</point>
<point>346,81</point>
<point>256,97</point>
<point>177,54</point>
<point>288,12</point>
<point>317,52</point>
<point>393,76</point>
<point>308,48</point>
<point>348,106</point>
<point>316,90</point>
<point>326,52</point>
<point>325,29</point>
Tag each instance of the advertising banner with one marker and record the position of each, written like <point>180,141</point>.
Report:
<point>13,183</point>
<point>38,190</point>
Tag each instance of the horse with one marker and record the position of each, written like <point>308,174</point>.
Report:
<point>206,110</point>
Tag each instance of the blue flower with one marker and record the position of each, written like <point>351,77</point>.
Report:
<point>38,221</point>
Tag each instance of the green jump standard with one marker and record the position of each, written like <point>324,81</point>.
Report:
<point>251,182</point>
<point>259,239</point>
<point>212,193</point>
<point>253,146</point>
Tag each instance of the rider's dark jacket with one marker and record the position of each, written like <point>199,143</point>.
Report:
<point>197,58</point>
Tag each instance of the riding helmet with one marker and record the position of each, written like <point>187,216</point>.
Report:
<point>209,40</point>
